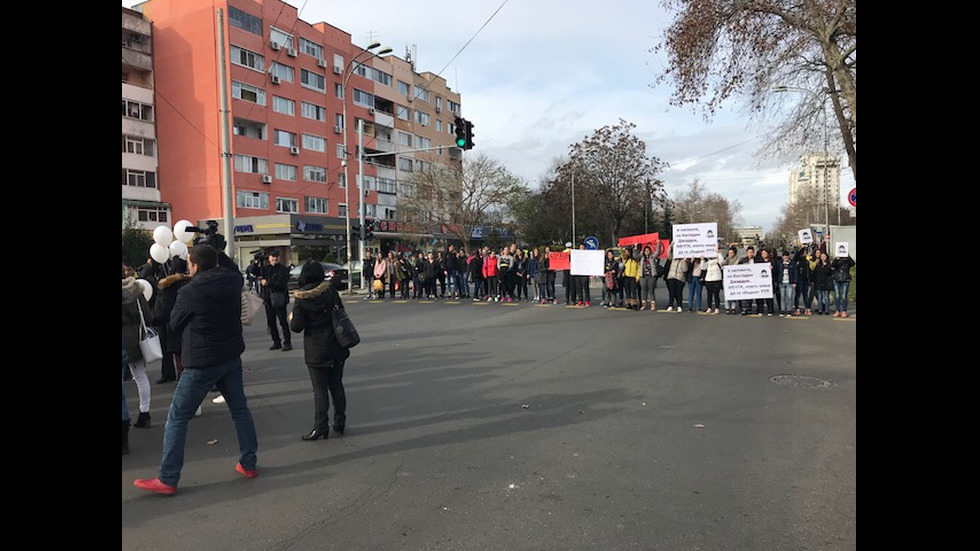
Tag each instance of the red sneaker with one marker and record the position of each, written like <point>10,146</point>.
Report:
<point>154,485</point>
<point>247,473</point>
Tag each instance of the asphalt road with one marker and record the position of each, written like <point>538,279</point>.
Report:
<point>496,426</point>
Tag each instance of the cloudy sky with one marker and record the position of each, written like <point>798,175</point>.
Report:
<point>539,75</point>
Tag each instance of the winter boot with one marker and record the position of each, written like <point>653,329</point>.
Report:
<point>143,421</point>
<point>125,436</point>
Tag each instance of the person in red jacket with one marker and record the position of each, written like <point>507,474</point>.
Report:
<point>490,272</point>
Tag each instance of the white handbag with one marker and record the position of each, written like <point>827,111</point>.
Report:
<point>149,340</point>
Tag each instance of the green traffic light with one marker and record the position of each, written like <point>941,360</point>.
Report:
<point>461,142</point>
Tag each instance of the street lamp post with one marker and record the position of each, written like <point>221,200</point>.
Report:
<point>349,71</point>
<point>826,152</point>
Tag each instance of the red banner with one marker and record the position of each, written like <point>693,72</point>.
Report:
<point>643,239</point>
<point>560,261</point>
<point>664,248</point>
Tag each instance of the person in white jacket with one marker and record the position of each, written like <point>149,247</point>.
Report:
<point>713,275</point>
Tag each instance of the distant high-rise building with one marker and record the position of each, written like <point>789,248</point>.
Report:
<point>141,204</point>
<point>816,183</point>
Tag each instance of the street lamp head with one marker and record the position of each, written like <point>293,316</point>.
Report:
<point>385,51</point>
<point>373,45</point>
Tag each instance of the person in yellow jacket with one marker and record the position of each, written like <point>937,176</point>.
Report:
<point>631,275</point>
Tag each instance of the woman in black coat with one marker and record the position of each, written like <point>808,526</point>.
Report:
<point>324,356</point>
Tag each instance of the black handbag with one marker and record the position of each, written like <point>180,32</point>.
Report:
<point>344,328</point>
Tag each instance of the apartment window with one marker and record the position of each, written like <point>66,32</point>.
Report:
<point>363,98</point>
<point>252,200</point>
<point>284,106</point>
<point>438,103</point>
<point>338,90</point>
<point>153,214</point>
<point>421,118</point>
<point>282,38</point>
<point>421,93</point>
<point>340,151</point>
<point>315,174</point>
<point>139,145</point>
<point>403,88</point>
<point>438,125</point>
<point>314,143</point>
<point>403,113</point>
<point>285,172</point>
<point>423,143</point>
<point>310,48</point>
<point>405,139</point>
<point>381,76</point>
<point>367,182</point>
<point>283,138</point>
<point>404,163</point>
<point>423,166</point>
<point>285,204</point>
<point>453,106</point>
<point>246,58</point>
<point>342,210</point>
<point>137,110</point>
<point>255,165</point>
<point>247,92</point>
<point>314,111</point>
<point>338,61</point>
<point>387,185</point>
<point>338,120</point>
<point>284,72</point>
<point>244,21</point>
<point>341,180</point>
<point>316,205</point>
<point>249,129</point>
<point>139,178</point>
<point>309,79</point>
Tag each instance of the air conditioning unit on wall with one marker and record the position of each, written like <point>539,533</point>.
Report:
<point>291,52</point>
<point>294,150</point>
<point>275,46</point>
<point>338,130</point>
<point>321,63</point>
<point>266,179</point>
<point>337,70</point>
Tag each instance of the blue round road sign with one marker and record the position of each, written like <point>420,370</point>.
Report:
<point>852,197</point>
<point>591,243</point>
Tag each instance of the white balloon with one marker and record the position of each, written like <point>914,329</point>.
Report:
<point>181,233</point>
<point>147,288</point>
<point>163,235</point>
<point>159,253</point>
<point>179,249</point>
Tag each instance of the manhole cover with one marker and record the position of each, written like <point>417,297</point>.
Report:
<point>800,381</point>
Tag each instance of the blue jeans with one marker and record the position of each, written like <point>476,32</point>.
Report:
<point>786,297</point>
<point>694,292</point>
<point>840,295</point>
<point>823,300</point>
<point>192,387</point>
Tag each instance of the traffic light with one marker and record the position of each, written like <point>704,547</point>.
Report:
<point>469,134</point>
<point>369,231</point>
<point>460,132</point>
<point>355,232</point>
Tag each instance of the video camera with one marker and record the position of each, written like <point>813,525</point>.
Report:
<point>209,235</point>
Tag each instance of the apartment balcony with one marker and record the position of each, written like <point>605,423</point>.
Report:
<point>138,60</point>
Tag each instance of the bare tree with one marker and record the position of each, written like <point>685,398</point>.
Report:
<point>613,177</point>
<point>461,198</point>
<point>697,205</point>
<point>717,48</point>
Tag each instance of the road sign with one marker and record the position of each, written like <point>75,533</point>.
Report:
<point>591,243</point>
<point>852,197</point>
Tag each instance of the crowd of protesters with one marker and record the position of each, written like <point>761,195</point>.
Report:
<point>803,279</point>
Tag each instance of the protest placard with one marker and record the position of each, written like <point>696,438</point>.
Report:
<point>695,240</point>
<point>747,281</point>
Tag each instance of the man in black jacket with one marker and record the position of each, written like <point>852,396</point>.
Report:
<point>207,313</point>
<point>274,281</point>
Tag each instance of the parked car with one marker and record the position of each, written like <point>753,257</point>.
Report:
<point>354,272</point>
<point>336,273</point>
